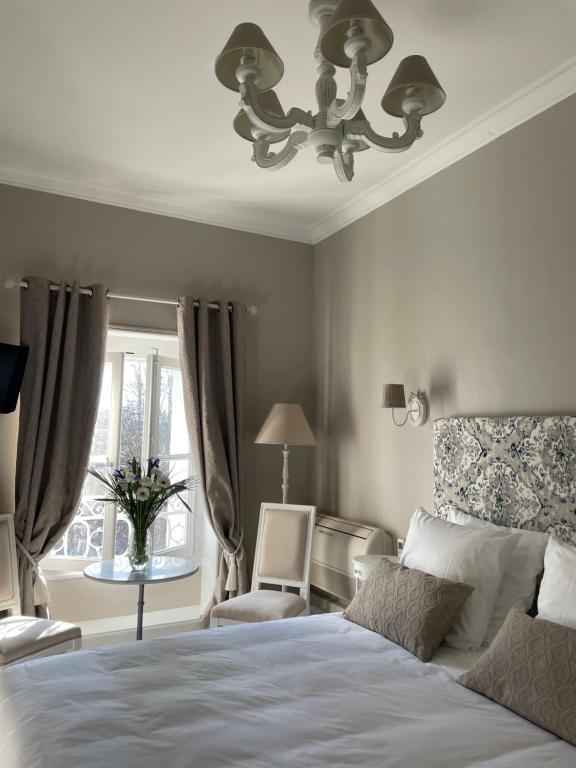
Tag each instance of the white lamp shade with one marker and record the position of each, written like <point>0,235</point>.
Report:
<point>286,424</point>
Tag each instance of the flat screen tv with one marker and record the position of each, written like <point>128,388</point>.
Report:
<point>12,365</point>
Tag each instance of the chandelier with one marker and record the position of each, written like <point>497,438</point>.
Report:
<point>353,35</point>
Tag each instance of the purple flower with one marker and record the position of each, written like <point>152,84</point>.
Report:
<point>154,463</point>
<point>118,474</point>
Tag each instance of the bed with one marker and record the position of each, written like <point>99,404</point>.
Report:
<point>311,691</point>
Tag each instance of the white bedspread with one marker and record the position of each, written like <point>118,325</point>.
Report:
<point>306,692</point>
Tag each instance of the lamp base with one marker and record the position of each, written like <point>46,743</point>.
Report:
<point>285,475</point>
<point>417,409</point>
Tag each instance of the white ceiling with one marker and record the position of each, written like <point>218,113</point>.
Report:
<point>116,100</point>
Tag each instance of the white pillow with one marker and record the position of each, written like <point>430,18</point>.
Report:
<point>520,577</point>
<point>557,597</point>
<point>461,553</point>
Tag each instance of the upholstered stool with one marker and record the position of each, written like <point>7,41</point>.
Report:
<point>262,605</point>
<point>22,637</point>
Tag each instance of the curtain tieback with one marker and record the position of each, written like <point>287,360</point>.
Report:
<point>41,591</point>
<point>232,580</point>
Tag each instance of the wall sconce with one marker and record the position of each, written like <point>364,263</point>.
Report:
<point>394,397</point>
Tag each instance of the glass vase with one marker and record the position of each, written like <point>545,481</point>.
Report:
<point>140,550</point>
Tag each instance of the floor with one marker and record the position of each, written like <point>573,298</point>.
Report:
<point>122,629</point>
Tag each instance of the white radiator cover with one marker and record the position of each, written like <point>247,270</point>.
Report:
<point>336,543</point>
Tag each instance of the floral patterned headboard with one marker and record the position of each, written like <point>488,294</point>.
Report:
<point>516,471</point>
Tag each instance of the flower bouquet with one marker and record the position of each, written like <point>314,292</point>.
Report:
<point>142,492</point>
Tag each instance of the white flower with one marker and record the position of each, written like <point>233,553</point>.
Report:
<point>147,482</point>
<point>130,476</point>
<point>142,494</point>
<point>123,485</point>
<point>162,481</point>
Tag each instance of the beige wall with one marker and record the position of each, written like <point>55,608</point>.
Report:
<point>79,599</point>
<point>158,256</point>
<point>464,287</point>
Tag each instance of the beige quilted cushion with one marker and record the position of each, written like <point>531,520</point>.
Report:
<point>409,607</point>
<point>530,668</point>
<point>260,605</point>
<point>22,636</point>
<point>283,547</point>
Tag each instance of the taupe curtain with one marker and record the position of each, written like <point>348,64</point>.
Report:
<point>65,332</point>
<point>212,359</point>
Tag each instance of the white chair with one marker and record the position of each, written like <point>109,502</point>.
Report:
<point>282,559</point>
<point>25,637</point>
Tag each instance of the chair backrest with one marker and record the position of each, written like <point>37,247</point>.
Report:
<point>9,590</point>
<point>284,547</point>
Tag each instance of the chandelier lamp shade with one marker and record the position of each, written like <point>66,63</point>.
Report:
<point>353,35</point>
<point>361,13</point>
<point>249,42</point>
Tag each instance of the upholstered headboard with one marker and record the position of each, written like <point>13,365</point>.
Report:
<point>515,471</point>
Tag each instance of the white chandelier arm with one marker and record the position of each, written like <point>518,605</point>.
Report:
<point>344,166</point>
<point>358,79</point>
<point>359,129</point>
<point>296,118</point>
<point>274,161</point>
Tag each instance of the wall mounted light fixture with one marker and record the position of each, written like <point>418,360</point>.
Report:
<point>394,397</point>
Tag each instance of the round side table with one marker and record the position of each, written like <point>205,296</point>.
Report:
<point>158,570</point>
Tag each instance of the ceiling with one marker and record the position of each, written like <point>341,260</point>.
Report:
<point>118,102</point>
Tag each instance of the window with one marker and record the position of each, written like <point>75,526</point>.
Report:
<point>141,413</point>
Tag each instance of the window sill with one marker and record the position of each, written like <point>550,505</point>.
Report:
<point>61,575</point>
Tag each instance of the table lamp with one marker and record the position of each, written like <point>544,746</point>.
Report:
<point>285,425</point>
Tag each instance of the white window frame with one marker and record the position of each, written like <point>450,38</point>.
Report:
<point>154,362</point>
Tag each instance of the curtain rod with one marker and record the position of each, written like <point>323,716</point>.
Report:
<point>10,283</point>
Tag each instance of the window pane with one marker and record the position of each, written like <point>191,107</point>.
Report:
<point>172,430</point>
<point>99,449</point>
<point>84,536</point>
<point>133,409</point>
<point>171,527</point>
<point>123,534</point>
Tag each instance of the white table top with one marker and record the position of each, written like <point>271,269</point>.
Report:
<point>159,569</point>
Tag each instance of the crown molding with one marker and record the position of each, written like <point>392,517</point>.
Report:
<point>540,95</point>
<point>252,224</point>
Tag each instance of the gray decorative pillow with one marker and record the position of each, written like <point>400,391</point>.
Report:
<point>530,668</point>
<point>409,607</point>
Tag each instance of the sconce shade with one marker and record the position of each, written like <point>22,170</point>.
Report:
<point>414,77</point>
<point>269,101</point>
<point>393,396</point>
<point>250,38</point>
<point>286,424</point>
<point>376,29</point>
